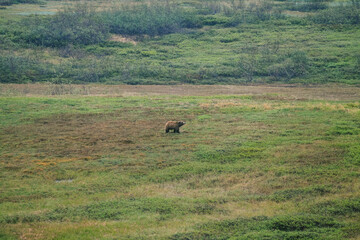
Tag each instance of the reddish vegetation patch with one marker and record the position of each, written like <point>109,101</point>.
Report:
<point>305,154</point>
<point>82,135</point>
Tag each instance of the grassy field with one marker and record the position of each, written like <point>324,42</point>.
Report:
<point>252,162</point>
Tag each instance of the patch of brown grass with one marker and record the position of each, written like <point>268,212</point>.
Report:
<point>316,153</point>
<point>270,105</point>
<point>123,39</point>
<point>269,92</point>
<point>80,136</point>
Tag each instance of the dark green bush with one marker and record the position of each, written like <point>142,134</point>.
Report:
<point>337,15</point>
<point>77,26</point>
<point>291,65</point>
<point>235,13</point>
<point>10,2</point>
<point>82,25</point>
<point>150,19</point>
<point>307,6</point>
<point>22,69</point>
<point>270,63</point>
<point>211,20</point>
<point>210,7</point>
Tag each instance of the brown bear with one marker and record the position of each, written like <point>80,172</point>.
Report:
<point>173,125</point>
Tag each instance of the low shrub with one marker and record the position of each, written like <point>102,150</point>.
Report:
<point>150,19</point>
<point>77,26</point>
<point>11,2</point>
<point>337,15</point>
<point>22,69</point>
<point>312,6</point>
<point>291,65</point>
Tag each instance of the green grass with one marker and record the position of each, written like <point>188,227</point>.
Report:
<point>243,166</point>
<point>281,227</point>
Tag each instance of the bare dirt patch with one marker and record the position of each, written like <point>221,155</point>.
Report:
<point>123,39</point>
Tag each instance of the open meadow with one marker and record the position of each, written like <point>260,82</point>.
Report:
<point>252,162</point>
<point>269,91</point>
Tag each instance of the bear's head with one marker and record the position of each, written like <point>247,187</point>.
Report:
<point>181,123</point>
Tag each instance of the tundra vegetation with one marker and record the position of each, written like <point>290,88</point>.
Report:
<point>269,163</point>
<point>174,42</point>
<point>253,162</point>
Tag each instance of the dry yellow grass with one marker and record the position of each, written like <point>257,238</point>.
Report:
<point>271,92</point>
<point>123,39</point>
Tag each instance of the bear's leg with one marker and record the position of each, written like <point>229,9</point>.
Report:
<point>177,130</point>
<point>166,130</point>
